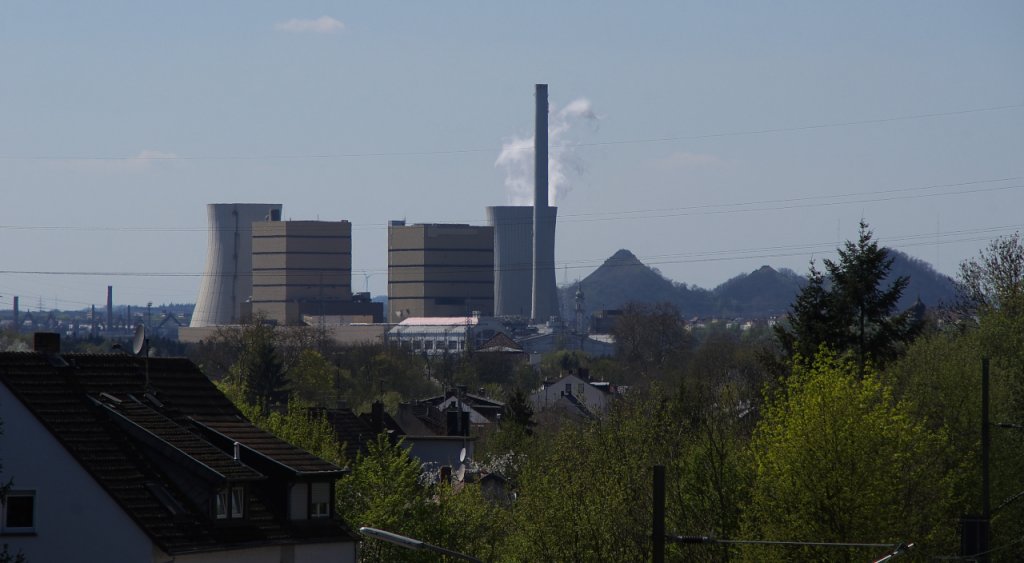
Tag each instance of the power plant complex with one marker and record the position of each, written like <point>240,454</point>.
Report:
<point>287,271</point>
<point>226,285</point>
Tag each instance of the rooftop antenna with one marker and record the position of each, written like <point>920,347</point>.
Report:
<point>140,347</point>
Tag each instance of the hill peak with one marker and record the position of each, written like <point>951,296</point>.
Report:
<point>623,257</point>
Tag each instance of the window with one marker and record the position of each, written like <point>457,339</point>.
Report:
<point>221,510</point>
<point>416,344</point>
<point>453,344</point>
<point>428,344</point>
<point>299,501</point>
<point>319,501</point>
<point>19,512</point>
<point>230,503</point>
<point>237,502</point>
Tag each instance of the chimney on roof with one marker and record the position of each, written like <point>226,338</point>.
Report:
<point>377,417</point>
<point>46,342</point>
<point>238,451</point>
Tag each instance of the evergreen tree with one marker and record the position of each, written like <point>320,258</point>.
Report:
<point>259,368</point>
<point>856,315</point>
<point>809,321</point>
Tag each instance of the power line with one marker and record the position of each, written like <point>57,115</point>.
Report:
<point>471,150</point>
<point>801,202</point>
<point>966,235</point>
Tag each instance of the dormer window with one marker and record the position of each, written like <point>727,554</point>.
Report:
<point>320,500</point>
<point>230,503</point>
<point>310,501</point>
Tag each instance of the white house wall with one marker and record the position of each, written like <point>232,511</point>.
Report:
<point>75,519</point>
<point>310,553</point>
<point>592,397</point>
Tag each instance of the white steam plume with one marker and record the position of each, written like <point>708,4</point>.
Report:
<point>564,164</point>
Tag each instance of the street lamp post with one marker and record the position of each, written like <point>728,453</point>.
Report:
<point>412,543</point>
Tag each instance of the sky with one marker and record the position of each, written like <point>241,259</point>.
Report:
<point>708,138</point>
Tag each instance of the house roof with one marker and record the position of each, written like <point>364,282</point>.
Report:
<point>501,343</point>
<point>123,432</point>
<point>440,321</point>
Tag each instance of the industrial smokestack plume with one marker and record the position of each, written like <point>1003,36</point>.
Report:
<point>227,281</point>
<point>545,295</point>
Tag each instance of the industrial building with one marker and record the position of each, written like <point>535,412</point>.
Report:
<point>227,282</point>
<point>301,268</point>
<point>513,258</point>
<point>524,239</point>
<point>439,270</point>
<point>444,335</point>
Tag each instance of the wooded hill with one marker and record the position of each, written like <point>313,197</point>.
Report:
<point>762,293</point>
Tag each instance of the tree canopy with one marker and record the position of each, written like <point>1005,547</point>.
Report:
<point>850,309</point>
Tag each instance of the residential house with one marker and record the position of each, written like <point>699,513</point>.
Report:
<point>120,458</point>
<point>592,396</point>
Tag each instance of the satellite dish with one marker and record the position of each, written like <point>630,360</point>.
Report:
<point>460,473</point>
<point>139,342</point>
<point>462,455</point>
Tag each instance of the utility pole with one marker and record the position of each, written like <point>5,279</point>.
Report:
<point>658,526</point>
<point>986,509</point>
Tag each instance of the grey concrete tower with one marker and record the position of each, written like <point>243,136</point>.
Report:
<point>226,285</point>
<point>545,293</point>
<point>513,256</point>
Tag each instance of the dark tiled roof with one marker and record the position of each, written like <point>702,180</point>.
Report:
<point>101,410</point>
<point>189,445</point>
<point>295,460</point>
<point>351,431</point>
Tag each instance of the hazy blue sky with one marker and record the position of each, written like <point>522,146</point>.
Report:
<point>119,121</point>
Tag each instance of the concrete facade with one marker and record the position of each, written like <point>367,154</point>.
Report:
<point>439,271</point>
<point>301,268</point>
<point>227,281</point>
<point>513,259</point>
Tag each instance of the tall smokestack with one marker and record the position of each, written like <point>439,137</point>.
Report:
<point>17,316</point>
<point>540,190</point>
<point>110,308</point>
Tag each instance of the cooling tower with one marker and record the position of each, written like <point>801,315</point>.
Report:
<point>545,293</point>
<point>227,282</point>
<point>513,256</point>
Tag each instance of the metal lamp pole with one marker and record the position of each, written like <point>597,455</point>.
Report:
<point>413,544</point>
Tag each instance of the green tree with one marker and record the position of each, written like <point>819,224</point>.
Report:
<point>383,491</point>
<point>810,322</point>
<point>259,369</point>
<point>995,279</point>
<point>651,338</point>
<point>585,493</point>
<point>311,379</point>
<point>838,459</point>
<point>856,315</point>
<point>302,426</point>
